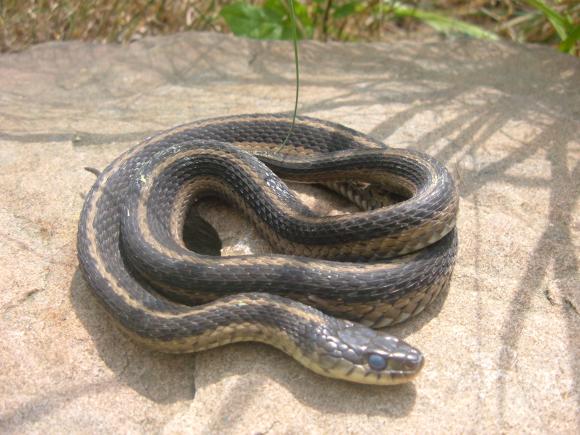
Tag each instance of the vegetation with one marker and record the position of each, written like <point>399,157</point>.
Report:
<point>553,22</point>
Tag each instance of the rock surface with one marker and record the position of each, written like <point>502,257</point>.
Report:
<point>503,349</point>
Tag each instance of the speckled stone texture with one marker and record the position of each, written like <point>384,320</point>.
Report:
<point>503,346</point>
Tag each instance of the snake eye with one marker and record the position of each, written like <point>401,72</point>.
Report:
<point>377,362</point>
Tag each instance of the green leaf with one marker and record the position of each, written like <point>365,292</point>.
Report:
<point>281,8</point>
<point>346,9</point>
<point>251,21</point>
<point>270,21</point>
<point>440,22</point>
<point>568,32</point>
<point>560,23</point>
<point>567,45</point>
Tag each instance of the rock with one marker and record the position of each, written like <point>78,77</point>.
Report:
<point>503,349</point>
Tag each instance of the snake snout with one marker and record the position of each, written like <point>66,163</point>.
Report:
<point>400,358</point>
<point>408,361</point>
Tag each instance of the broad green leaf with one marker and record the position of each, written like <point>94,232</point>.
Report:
<point>270,21</point>
<point>346,9</point>
<point>281,9</point>
<point>251,21</point>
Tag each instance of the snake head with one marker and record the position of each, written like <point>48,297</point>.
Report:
<point>359,354</point>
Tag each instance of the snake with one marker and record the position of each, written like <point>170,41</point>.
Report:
<point>331,284</point>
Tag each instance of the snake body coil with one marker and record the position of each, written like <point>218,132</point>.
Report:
<point>375,267</point>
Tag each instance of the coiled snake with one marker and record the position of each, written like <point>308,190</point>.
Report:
<point>374,267</point>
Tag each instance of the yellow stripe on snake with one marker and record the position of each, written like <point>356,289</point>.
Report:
<point>371,268</point>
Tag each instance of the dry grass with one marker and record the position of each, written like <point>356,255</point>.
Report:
<point>26,22</point>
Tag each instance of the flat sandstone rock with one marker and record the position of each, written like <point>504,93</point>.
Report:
<point>502,349</point>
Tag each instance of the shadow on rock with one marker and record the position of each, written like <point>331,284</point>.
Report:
<point>167,378</point>
<point>258,366</point>
<point>163,378</point>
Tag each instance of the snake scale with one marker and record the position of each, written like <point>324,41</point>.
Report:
<point>331,281</point>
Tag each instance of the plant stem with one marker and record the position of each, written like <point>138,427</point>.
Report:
<point>295,38</point>
<point>325,20</point>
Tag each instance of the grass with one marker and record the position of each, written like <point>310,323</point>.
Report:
<point>26,22</point>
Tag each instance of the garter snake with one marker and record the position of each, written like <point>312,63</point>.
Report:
<point>375,267</point>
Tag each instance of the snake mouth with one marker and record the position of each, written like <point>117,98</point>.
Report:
<point>411,367</point>
<point>398,370</point>
<point>407,372</point>
<point>391,377</point>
